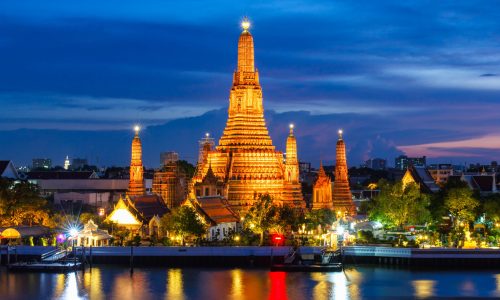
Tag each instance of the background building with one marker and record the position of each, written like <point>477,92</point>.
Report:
<point>79,163</point>
<point>402,162</point>
<point>376,164</point>
<point>41,163</point>
<point>170,183</point>
<point>169,157</point>
<point>7,170</point>
<point>440,172</point>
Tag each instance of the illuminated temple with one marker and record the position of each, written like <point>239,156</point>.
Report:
<point>136,183</point>
<point>342,197</point>
<point>245,161</point>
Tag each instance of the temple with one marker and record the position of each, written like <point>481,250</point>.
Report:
<point>136,183</point>
<point>322,191</point>
<point>245,160</point>
<point>342,197</point>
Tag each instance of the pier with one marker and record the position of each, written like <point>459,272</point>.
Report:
<point>250,256</point>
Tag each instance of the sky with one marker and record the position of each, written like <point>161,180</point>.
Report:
<point>414,77</point>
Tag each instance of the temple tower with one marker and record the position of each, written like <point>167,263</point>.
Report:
<point>292,193</point>
<point>136,183</point>
<point>342,197</point>
<point>322,191</point>
<point>291,163</point>
<point>245,158</point>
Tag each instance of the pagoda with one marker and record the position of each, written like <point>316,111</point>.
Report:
<point>136,183</point>
<point>245,158</point>
<point>322,191</point>
<point>342,197</point>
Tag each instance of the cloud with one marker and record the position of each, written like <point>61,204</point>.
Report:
<point>459,148</point>
<point>447,77</point>
<point>390,73</point>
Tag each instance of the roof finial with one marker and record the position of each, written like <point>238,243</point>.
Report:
<point>137,128</point>
<point>291,128</point>
<point>245,24</point>
<point>340,133</point>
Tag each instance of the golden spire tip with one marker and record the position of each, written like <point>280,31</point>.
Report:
<point>245,24</point>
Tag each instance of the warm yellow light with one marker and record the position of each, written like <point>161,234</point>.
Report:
<point>245,24</point>
<point>137,128</point>
<point>237,238</point>
<point>123,217</point>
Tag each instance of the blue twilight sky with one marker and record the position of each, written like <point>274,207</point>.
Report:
<point>420,77</point>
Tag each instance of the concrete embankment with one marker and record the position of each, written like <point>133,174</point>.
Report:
<point>263,256</point>
<point>413,257</point>
<point>168,256</point>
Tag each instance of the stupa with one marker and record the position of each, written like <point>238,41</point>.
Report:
<point>342,197</point>
<point>245,158</point>
<point>136,183</point>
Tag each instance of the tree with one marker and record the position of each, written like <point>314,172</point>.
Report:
<point>491,207</point>
<point>461,205</point>
<point>398,205</point>
<point>317,217</point>
<point>261,216</point>
<point>183,221</point>
<point>21,204</point>
<point>188,168</point>
<point>286,218</point>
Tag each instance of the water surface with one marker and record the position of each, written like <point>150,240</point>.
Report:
<point>113,282</point>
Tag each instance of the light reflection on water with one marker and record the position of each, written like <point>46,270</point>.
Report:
<point>424,288</point>
<point>109,282</point>
<point>175,286</point>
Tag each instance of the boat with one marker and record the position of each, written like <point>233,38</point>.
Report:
<point>295,261</point>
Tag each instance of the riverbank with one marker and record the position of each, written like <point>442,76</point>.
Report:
<point>248,256</point>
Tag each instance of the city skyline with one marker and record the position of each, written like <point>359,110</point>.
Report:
<point>396,78</point>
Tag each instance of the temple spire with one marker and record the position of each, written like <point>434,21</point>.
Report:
<point>246,61</point>
<point>292,162</point>
<point>136,183</point>
<point>342,197</point>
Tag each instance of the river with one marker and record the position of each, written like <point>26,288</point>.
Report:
<point>361,282</point>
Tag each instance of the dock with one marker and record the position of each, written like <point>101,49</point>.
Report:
<point>415,257</point>
<point>45,267</point>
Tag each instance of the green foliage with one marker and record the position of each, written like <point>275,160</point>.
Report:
<point>188,168</point>
<point>365,237</point>
<point>397,205</point>
<point>87,216</point>
<point>21,204</point>
<point>121,233</point>
<point>262,216</point>
<point>183,221</point>
<point>137,240</point>
<point>461,204</point>
<point>286,218</point>
<point>491,208</point>
<point>317,217</point>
